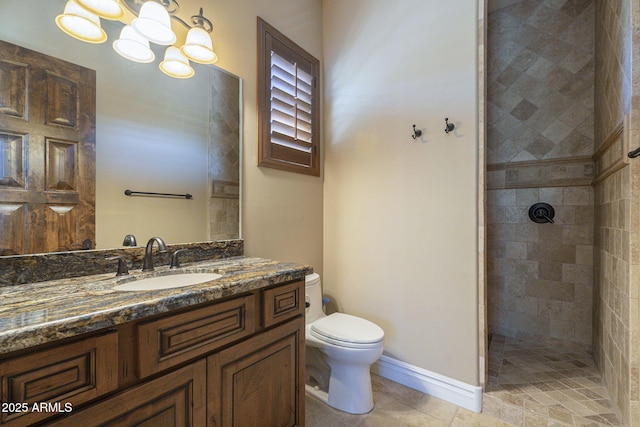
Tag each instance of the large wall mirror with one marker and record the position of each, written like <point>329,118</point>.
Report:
<point>153,133</point>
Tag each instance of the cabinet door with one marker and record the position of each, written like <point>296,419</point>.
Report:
<point>69,374</point>
<point>176,399</point>
<point>259,382</point>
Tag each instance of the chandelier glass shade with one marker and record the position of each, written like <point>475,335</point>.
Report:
<point>81,24</point>
<point>175,64</point>
<point>133,46</point>
<point>151,23</point>
<point>107,9</point>
<point>154,23</point>
<point>198,47</point>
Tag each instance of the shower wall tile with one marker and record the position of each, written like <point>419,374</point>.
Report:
<point>515,250</point>
<point>550,271</point>
<point>584,254</point>
<point>578,234</point>
<point>552,195</point>
<point>613,300</point>
<point>496,179</point>
<point>613,67</point>
<point>224,157</point>
<point>548,174</point>
<point>540,81</point>
<point>551,252</point>
<point>540,141</point>
<point>540,279</point>
<point>577,195</point>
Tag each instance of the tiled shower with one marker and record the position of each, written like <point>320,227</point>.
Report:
<point>559,80</point>
<point>540,141</point>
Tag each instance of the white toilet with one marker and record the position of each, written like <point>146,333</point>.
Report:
<point>341,347</point>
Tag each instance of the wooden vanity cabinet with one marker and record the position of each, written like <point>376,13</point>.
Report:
<point>237,362</point>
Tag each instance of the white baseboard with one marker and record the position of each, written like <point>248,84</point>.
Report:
<point>445,388</point>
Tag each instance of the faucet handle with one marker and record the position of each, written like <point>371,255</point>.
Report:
<point>123,267</point>
<point>175,263</point>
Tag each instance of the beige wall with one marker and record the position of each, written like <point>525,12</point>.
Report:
<point>281,211</point>
<point>400,237</point>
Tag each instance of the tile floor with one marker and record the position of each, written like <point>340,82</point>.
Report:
<point>398,406</point>
<point>529,385</point>
<point>532,384</point>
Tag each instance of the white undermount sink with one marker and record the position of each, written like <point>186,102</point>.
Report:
<point>167,282</point>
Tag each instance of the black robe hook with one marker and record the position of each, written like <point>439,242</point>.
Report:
<point>417,133</point>
<point>449,126</point>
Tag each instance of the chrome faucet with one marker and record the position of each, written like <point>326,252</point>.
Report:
<point>148,252</point>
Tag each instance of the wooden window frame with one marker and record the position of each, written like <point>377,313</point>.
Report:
<point>271,154</point>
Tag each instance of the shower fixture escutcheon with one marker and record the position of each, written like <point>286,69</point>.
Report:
<point>542,213</point>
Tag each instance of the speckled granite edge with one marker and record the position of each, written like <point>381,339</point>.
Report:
<point>21,269</point>
<point>39,313</point>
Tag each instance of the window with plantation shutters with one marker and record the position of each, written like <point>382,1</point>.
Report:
<point>288,107</point>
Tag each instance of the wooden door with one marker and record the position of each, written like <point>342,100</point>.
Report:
<point>259,382</point>
<point>47,153</point>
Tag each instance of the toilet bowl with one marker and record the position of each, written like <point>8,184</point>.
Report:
<point>341,349</point>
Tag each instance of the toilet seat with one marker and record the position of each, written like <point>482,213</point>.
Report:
<point>346,330</point>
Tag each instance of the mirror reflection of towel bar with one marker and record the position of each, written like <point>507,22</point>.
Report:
<point>145,193</point>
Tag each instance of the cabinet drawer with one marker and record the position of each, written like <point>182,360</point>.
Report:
<point>282,303</point>
<point>69,374</point>
<point>172,340</point>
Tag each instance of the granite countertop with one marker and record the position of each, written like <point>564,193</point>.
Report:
<point>38,313</point>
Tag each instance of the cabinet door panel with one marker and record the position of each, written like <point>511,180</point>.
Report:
<point>71,373</point>
<point>259,382</point>
<point>174,400</point>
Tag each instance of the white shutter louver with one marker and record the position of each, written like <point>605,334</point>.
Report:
<point>291,94</point>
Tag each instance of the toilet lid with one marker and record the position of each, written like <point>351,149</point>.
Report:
<point>346,328</point>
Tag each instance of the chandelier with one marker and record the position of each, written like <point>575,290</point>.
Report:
<point>151,23</point>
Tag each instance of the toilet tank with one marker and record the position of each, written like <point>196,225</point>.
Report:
<point>313,297</point>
